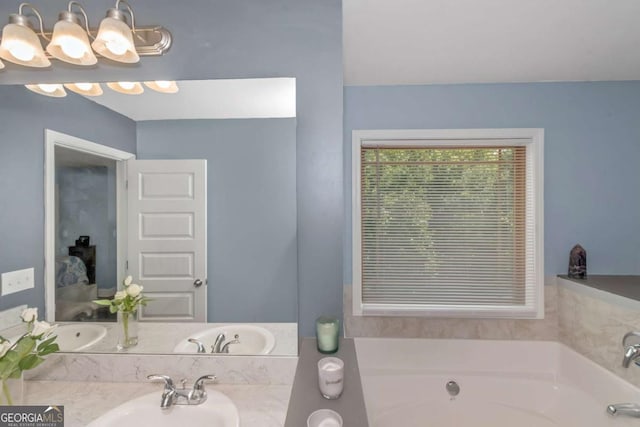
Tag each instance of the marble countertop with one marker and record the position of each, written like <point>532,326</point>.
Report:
<point>258,405</point>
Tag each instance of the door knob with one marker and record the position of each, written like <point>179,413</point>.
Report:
<point>197,283</point>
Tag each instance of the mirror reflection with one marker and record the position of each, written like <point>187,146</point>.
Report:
<point>202,215</point>
<point>85,213</point>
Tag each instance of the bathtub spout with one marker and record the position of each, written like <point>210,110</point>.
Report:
<point>626,409</point>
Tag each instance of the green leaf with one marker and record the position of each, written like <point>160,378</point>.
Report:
<point>113,309</point>
<point>30,361</point>
<point>24,346</point>
<point>8,365</point>
<point>49,349</point>
<point>102,301</point>
<point>46,342</point>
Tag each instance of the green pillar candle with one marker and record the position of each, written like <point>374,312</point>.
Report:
<point>327,332</point>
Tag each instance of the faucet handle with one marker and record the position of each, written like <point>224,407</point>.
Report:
<point>201,348</point>
<point>198,393</point>
<point>168,382</point>
<point>632,352</point>
<point>199,384</point>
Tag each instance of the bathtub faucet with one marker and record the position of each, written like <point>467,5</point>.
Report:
<point>631,351</point>
<point>627,409</point>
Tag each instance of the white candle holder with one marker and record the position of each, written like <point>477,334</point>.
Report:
<point>331,377</point>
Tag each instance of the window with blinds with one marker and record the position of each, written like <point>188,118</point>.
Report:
<point>448,227</point>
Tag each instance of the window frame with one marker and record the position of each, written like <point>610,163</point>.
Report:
<point>531,138</point>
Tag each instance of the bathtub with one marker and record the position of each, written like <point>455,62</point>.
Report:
<point>501,383</point>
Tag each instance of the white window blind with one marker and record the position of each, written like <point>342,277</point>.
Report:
<point>448,228</point>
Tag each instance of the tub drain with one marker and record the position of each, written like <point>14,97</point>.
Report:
<point>452,388</point>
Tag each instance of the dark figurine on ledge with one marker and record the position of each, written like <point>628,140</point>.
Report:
<point>578,263</point>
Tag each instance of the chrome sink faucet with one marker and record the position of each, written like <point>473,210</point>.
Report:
<point>174,396</point>
<point>219,346</point>
<point>631,351</point>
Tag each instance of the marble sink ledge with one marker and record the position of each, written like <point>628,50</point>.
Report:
<point>248,370</point>
<point>258,405</point>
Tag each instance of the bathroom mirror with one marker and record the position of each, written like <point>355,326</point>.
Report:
<point>244,130</point>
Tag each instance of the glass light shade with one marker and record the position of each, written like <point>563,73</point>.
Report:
<point>21,45</point>
<point>163,86</point>
<point>54,90</point>
<point>86,89</point>
<point>115,41</point>
<point>128,88</point>
<point>70,43</point>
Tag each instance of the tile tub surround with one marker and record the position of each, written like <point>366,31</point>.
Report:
<point>593,322</point>
<point>258,405</point>
<point>437,327</point>
<point>624,286</point>
<point>255,370</point>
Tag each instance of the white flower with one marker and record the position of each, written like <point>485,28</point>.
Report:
<point>134,290</point>
<point>30,314</point>
<point>4,347</point>
<point>128,280</point>
<point>119,295</point>
<point>42,328</point>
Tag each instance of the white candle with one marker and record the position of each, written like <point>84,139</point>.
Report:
<point>331,377</point>
<point>327,331</point>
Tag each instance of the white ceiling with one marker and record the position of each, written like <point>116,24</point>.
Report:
<point>471,41</point>
<point>208,99</point>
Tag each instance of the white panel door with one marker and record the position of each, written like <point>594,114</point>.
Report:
<point>167,249</point>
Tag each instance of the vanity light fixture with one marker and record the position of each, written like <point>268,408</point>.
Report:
<point>86,89</point>
<point>163,86</point>
<point>128,88</point>
<point>115,38</point>
<point>70,42</point>
<point>20,44</point>
<point>53,90</point>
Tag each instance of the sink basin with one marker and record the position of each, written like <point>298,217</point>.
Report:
<point>253,340</point>
<point>79,337</point>
<point>76,337</point>
<point>217,411</point>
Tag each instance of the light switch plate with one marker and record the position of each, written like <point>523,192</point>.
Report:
<point>16,281</point>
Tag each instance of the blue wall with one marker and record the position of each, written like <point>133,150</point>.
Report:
<point>252,38</point>
<point>251,197</point>
<point>592,153</point>
<point>24,116</point>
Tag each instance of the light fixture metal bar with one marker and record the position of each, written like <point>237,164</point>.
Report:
<point>152,41</point>
<point>149,41</point>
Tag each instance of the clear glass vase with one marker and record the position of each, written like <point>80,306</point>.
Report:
<point>128,326</point>
<point>12,391</point>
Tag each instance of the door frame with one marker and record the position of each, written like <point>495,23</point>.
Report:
<point>53,139</point>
